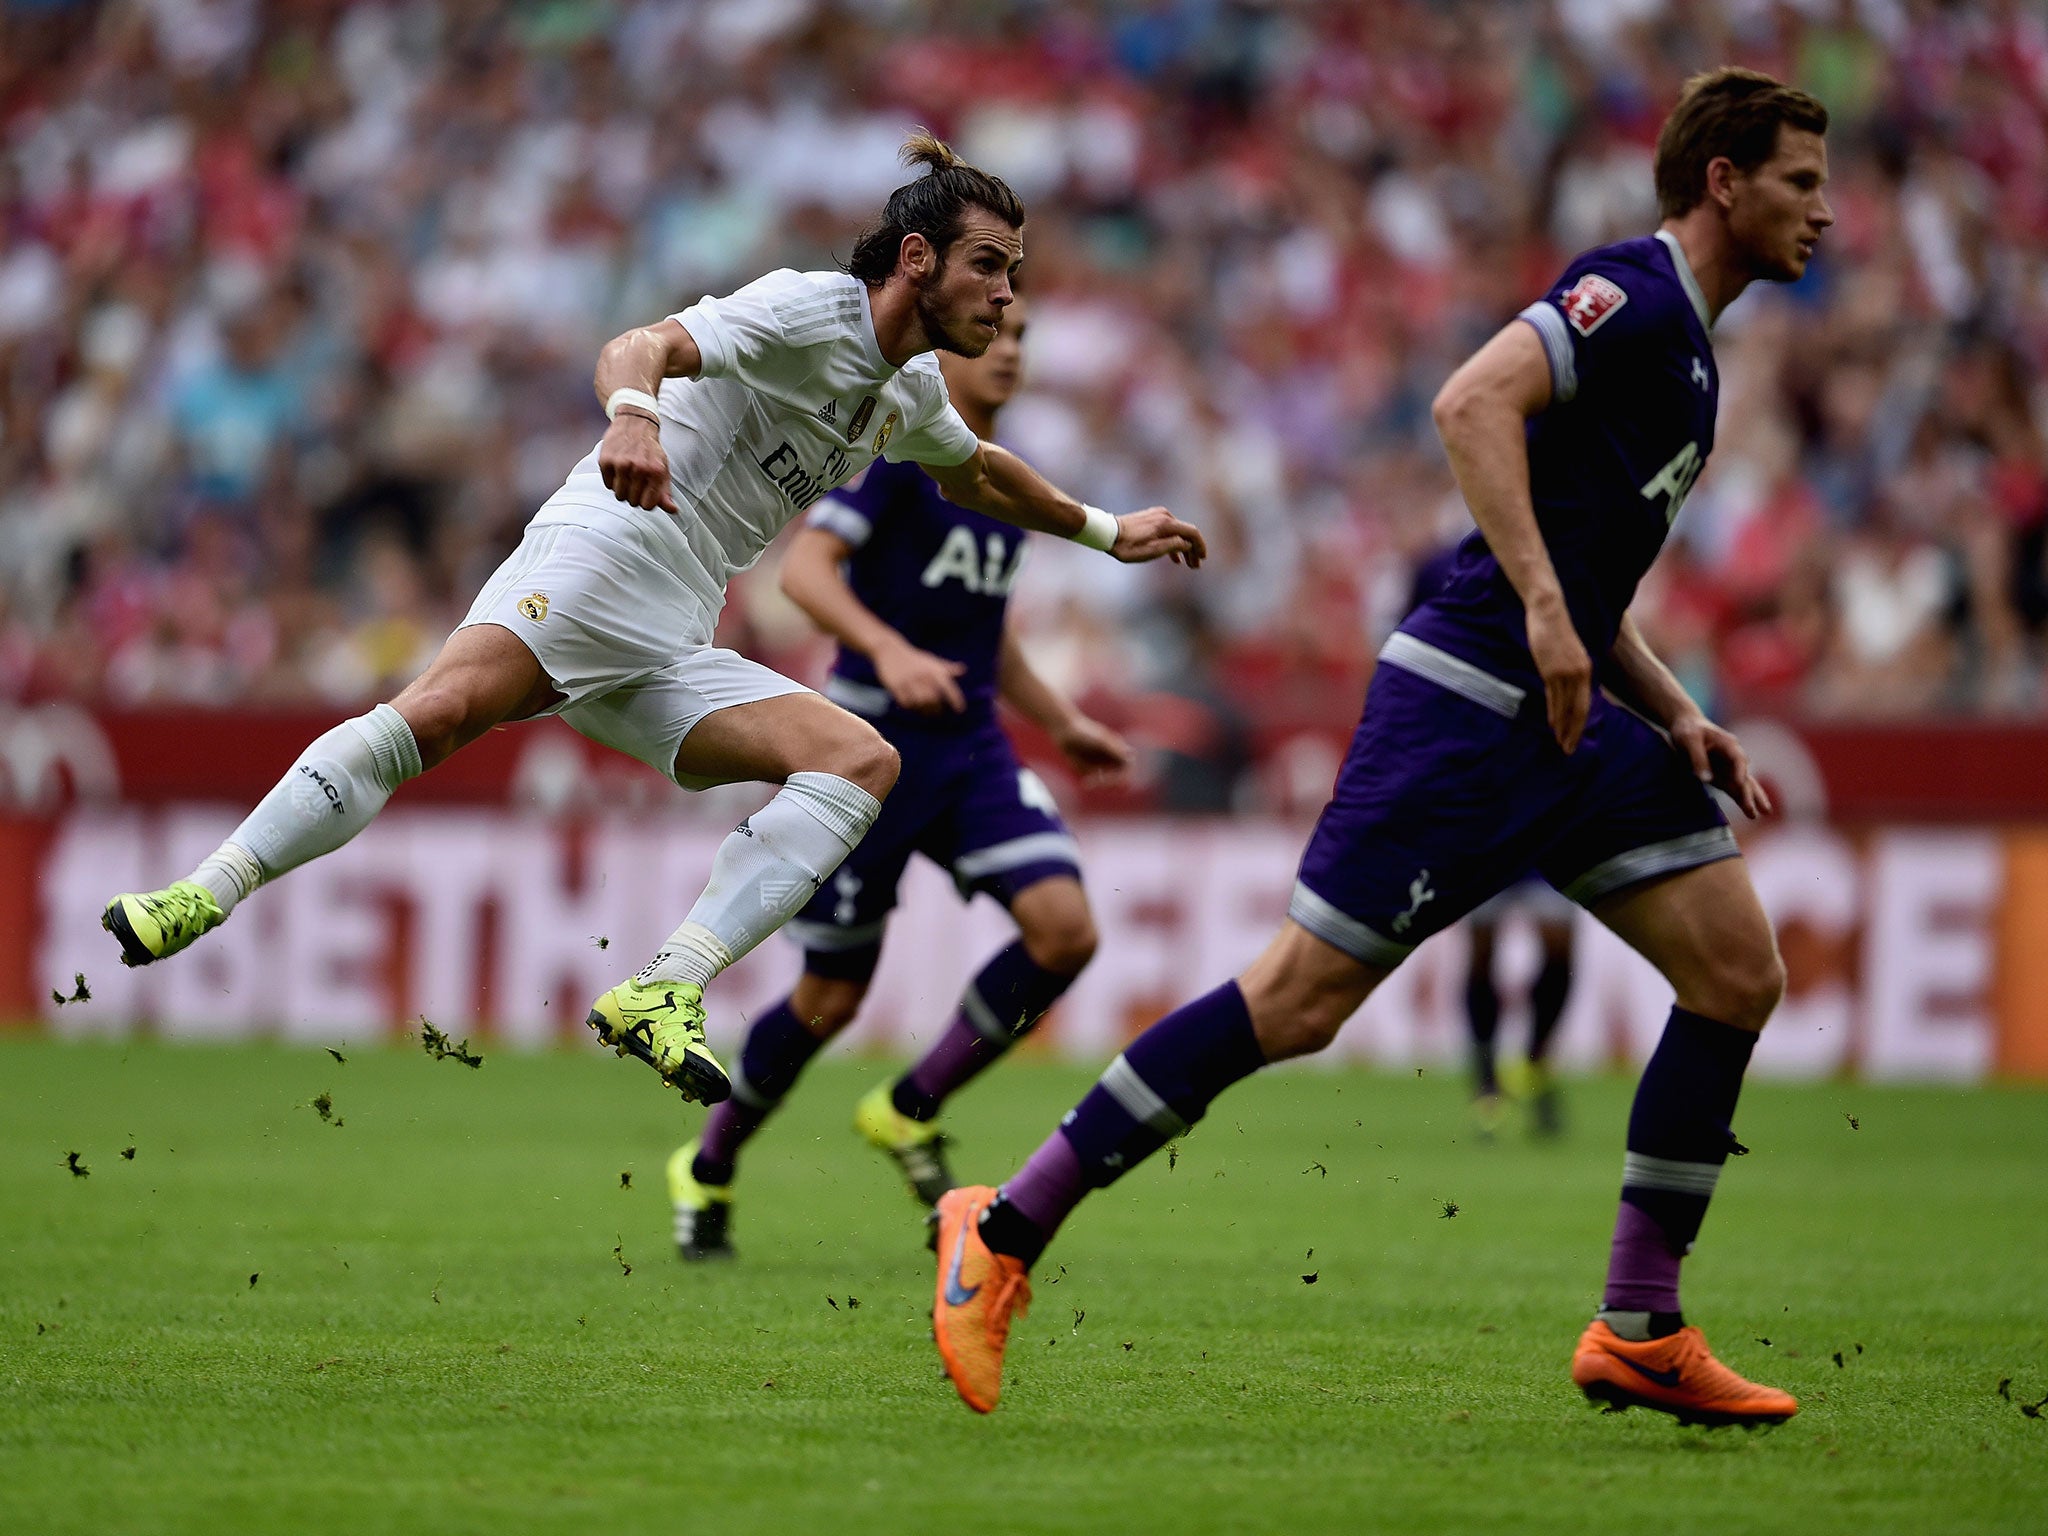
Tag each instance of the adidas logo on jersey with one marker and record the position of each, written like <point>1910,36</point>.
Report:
<point>829,411</point>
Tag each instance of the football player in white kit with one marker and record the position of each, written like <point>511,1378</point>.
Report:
<point>728,420</point>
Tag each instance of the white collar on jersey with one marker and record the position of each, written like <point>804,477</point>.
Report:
<point>867,331</point>
<point>1686,280</point>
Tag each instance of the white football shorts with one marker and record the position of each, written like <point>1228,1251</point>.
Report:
<point>624,638</point>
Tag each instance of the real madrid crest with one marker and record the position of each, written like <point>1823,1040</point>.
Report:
<point>882,437</point>
<point>534,606</point>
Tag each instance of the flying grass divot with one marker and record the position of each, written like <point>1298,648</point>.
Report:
<point>441,1048</point>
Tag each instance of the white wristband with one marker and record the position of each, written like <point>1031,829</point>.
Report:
<point>1099,532</point>
<point>634,397</point>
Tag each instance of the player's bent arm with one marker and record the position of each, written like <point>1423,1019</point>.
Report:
<point>630,369</point>
<point>1091,746</point>
<point>1716,756</point>
<point>1026,692</point>
<point>1652,687</point>
<point>642,357</point>
<point>811,578</point>
<point>1481,413</point>
<point>995,481</point>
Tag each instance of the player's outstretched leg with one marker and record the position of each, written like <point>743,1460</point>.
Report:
<point>483,675</point>
<point>1289,1002</point>
<point>338,784</point>
<point>1705,930</point>
<point>1000,1006</point>
<point>765,870</point>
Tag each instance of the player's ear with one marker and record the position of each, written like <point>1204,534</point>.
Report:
<point>1721,175</point>
<point>919,255</point>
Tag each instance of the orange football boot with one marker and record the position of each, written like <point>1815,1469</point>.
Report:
<point>1676,1374</point>
<point>978,1291</point>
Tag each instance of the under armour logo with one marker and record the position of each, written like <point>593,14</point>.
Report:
<point>1699,373</point>
<point>1418,893</point>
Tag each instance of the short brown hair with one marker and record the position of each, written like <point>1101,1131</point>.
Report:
<point>935,206</point>
<point>1732,113</point>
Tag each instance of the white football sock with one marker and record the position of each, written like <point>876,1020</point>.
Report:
<point>764,873</point>
<point>330,794</point>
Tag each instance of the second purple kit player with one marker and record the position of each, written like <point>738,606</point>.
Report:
<point>916,591</point>
<point>1488,748</point>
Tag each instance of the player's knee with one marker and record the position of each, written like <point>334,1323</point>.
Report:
<point>1063,942</point>
<point>1744,988</point>
<point>864,758</point>
<point>1766,989</point>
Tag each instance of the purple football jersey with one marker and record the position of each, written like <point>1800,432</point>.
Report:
<point>937,573</point>
<point>1628,428</point>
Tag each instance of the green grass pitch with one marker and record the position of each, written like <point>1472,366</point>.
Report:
<point>417,1317</point>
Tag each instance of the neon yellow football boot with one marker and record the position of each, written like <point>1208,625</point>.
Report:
<point>703,1211</point>
<point>662,1023</point>
<point>918,1148</point>
<point>152,925</point>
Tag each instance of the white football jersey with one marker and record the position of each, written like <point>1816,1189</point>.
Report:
<point>794,399</point>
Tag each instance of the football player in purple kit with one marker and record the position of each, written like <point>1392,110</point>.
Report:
<point>1487,748</point>
<point>916,590</point>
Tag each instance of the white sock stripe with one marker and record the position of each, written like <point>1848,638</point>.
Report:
<point>1640,1171</point>
<point>839,804</point>
<point>394,754</point>
<point>405,746</point>
<point>983,1017</point>
<point>1120,1079</point>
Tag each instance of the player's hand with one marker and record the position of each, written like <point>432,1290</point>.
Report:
<point>634,466</point>
<point>1147,535</point>
<point>1566,669</point>
<point>918,680</point>
<point>1717,757</point>
<point>1098,754</point>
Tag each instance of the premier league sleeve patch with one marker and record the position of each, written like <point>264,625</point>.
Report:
<point>1589,302</point>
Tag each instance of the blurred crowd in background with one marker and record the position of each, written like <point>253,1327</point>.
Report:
<point>299,303</point>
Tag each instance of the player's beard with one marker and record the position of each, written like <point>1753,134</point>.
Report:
<point>933,319</point>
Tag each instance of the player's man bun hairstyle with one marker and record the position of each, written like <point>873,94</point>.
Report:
<point>935,205</point>
<point>1730,112</point>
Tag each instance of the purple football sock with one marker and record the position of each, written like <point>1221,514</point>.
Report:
<point>1642,1269</point>
<point>777,1049</point>
<point>1001,1004</point>
<point>1151,1094</point>
<point>1678,1138</point>
<point>955,1058</point>
<point>1049,1185</point>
